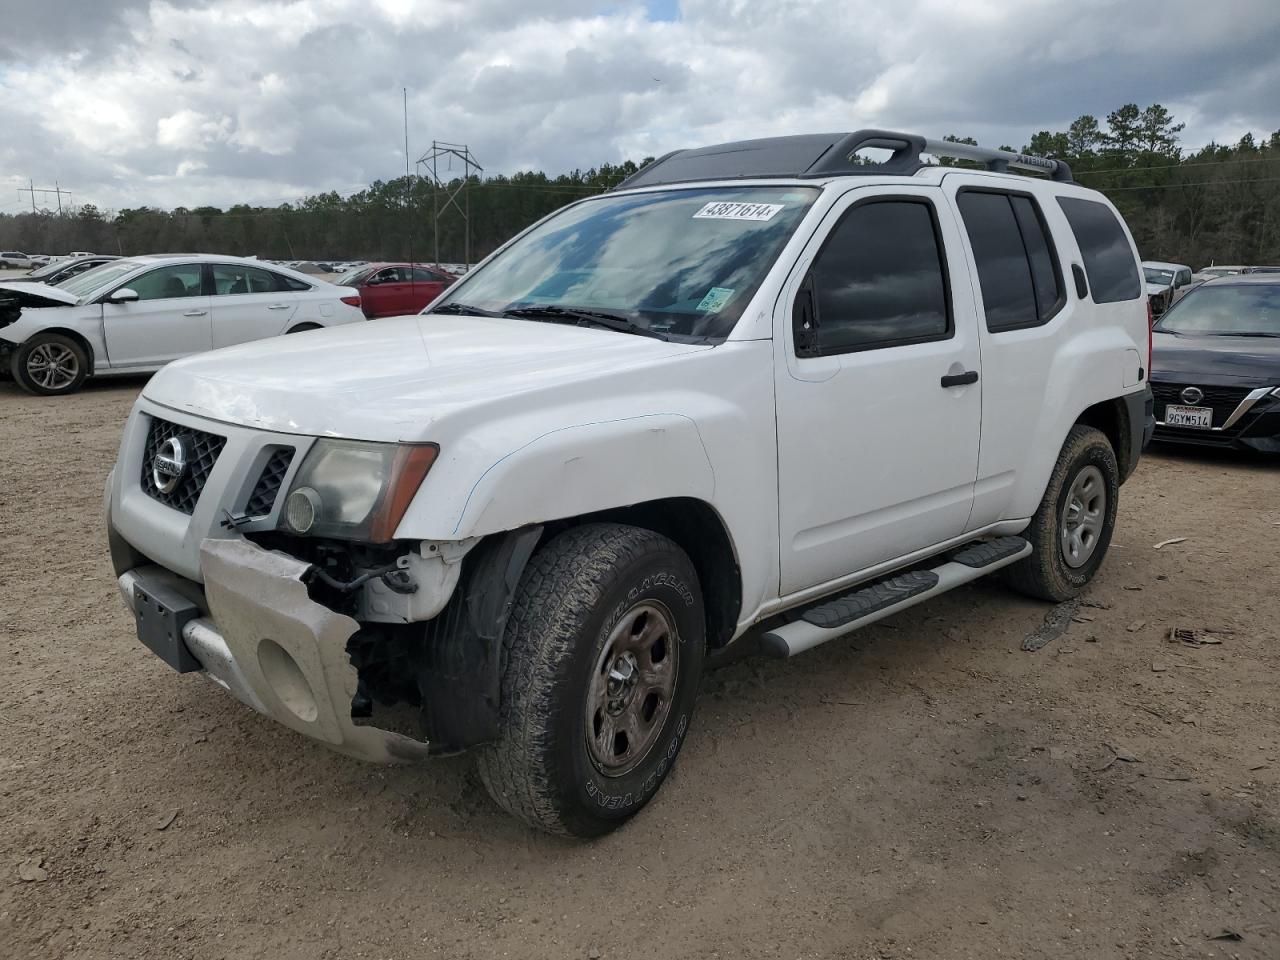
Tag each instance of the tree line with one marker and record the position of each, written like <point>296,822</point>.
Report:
<point>1220,204</point>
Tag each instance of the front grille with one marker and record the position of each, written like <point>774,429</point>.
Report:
<point>201,450</point>
<point>1223,400</point>
<point>267,488</point>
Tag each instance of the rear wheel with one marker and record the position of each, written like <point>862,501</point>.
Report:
<point>49,364</point>
<point>1072,528</point>
<point>602,657</point>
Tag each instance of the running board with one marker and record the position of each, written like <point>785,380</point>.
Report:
<point>843,614</point>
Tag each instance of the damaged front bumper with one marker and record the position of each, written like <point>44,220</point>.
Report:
<point>266,642</point>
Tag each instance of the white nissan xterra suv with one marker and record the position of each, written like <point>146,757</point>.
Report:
<point>763,392</point>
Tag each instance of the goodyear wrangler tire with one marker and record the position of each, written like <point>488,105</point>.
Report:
<point>602,655</point>
<point>1072,528</point>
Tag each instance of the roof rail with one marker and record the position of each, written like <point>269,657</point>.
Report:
<point>999,160</point>
<point>825,155</point>
<point>907,148</point>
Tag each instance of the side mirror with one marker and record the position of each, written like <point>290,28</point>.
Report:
<point>123,295</point>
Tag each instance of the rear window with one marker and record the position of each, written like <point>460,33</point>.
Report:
<point>1020,286</point>
<point>1108,258</point>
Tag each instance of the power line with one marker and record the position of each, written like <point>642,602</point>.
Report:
<point>1173,166</point>
<point>1193,183</point>
<point>32,189</point>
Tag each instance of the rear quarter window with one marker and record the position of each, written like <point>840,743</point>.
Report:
<point>1108,258</point>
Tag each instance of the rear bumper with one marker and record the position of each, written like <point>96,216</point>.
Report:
<point>273,648</point>
<point>1140,407</point>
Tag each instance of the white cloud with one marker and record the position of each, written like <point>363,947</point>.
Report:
<point>180,102</point>
<point>188,130</point>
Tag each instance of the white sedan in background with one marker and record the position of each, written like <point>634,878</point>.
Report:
<point>137,314</point>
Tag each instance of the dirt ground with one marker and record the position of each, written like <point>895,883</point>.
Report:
<point>922,789</point>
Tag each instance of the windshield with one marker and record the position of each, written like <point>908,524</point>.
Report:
<point>1235,309</point>
<point>1157,276</point>
<point>91,280</point>
<point>349,278</point>
<point>675,263</point>
<point>48,270</point>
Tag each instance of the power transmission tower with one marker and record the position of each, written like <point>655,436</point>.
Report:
<point>447,151</point>
<point>32,189</point>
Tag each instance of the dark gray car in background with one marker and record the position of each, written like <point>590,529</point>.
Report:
<point>1215,365</point>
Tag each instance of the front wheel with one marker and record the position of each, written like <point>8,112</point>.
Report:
<point>50,364</point>
<point>1072,528</point>
<point>602,656</point>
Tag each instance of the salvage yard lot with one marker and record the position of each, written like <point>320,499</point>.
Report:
<point>924,788</point>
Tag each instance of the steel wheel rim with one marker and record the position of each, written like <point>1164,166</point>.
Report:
<point>632,685</point>
<point>52,366</point>
<point>1083,517</point>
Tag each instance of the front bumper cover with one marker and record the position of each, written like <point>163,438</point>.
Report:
<point>278,651</point>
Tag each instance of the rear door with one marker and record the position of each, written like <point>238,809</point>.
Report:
<point>1023,311</point>
<point>170,318</point>
<point>426,285</point>
<point>249,303</point>
<point>1056,326</point>
<point>877,387</point>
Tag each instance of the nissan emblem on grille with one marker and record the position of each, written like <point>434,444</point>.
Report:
<point>168,465</point>
<point>1192,395</point>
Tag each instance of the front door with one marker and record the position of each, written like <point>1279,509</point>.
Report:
<point>387,293</point>
<point>877,387</point>
<point>170,318</point>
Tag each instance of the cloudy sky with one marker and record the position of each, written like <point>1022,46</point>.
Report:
<point>184,102</point>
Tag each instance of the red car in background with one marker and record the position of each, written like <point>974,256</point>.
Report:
<point>395,289</point>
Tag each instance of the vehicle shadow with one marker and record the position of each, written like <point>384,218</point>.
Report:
<point>100,385</point>
<point>1160,451</point>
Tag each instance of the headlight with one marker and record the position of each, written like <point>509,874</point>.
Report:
<point>354,490</point>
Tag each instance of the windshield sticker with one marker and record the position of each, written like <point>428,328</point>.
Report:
<point>724,210</point>
<point>715,299</point>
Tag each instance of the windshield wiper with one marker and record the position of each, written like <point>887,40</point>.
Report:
<point>585,317</point>
<point>453,306</point>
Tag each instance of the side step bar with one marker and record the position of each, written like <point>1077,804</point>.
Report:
<point>844,614</point>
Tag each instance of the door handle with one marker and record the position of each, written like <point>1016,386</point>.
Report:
<point>278,306</point>
<point>194,313</point>
<point>960,379</point>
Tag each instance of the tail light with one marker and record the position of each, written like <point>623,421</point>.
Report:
<point>354,301</point>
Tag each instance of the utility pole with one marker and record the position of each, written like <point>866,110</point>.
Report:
<point>408,186</point>
<point>56,190</point>
<point>440,149</point>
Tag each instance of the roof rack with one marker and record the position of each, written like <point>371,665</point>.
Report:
<point>826,155</point>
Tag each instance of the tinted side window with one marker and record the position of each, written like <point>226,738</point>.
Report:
<point>1045,275</point>
<point>289,283</point>
<point>1108,258</point>
<point>230,279</point>
<point>879,280</point>
<point>1003,271</point>
<point>168,282</point>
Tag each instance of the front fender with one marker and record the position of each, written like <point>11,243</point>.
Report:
<point>565,472</point>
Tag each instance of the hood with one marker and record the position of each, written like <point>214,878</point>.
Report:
<point>1234,361</point>
<point>1155,288</point>
<point>37,294</point>
<point>390,379</point>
